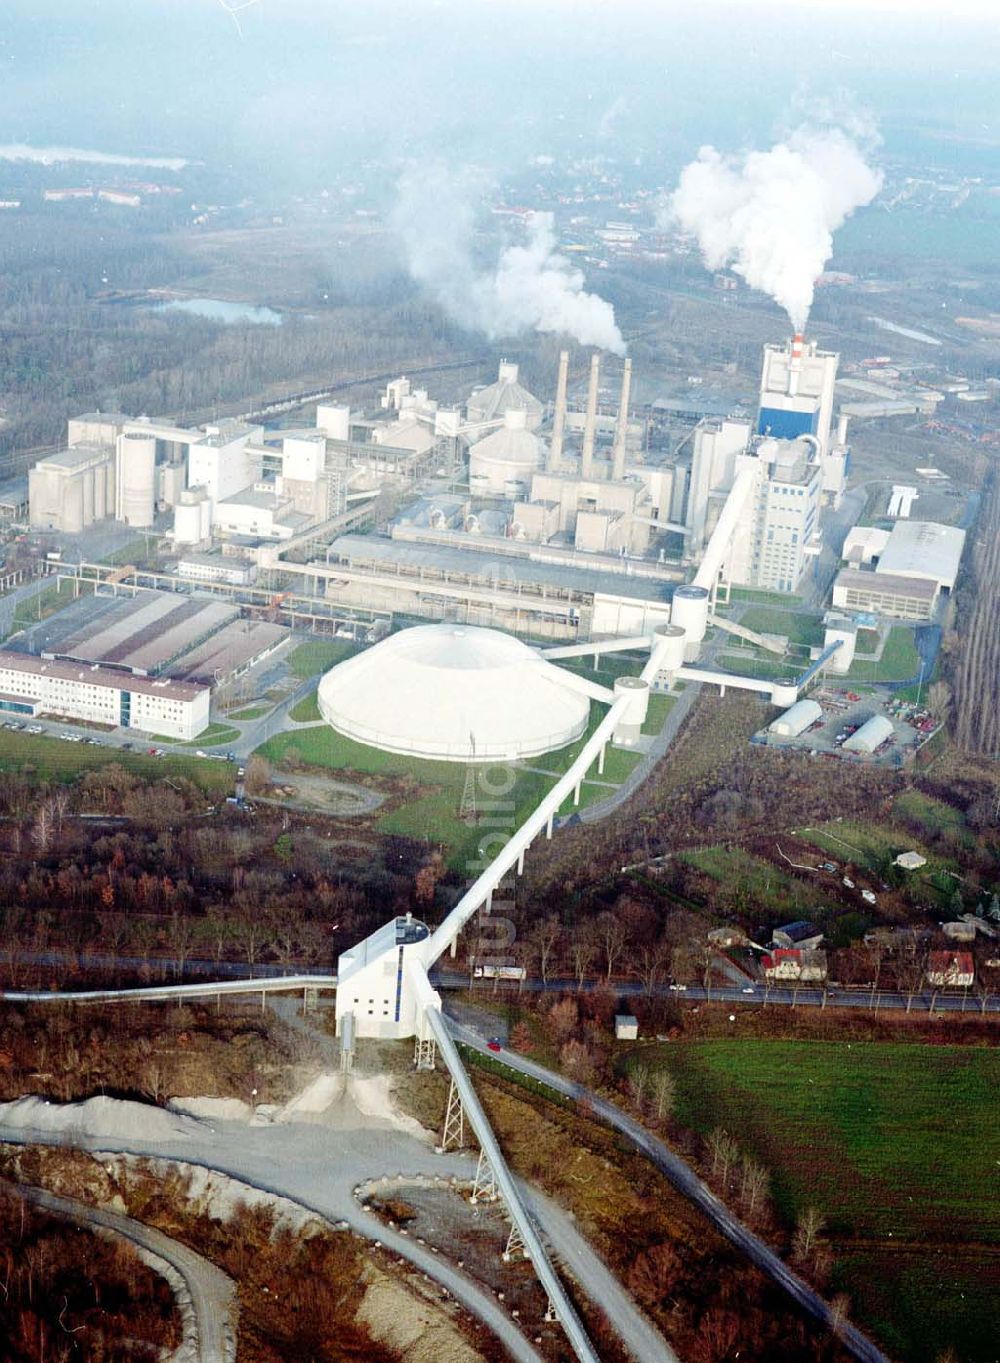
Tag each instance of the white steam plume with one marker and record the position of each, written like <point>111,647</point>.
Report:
<point>773,215</point>
<point>531,287</point>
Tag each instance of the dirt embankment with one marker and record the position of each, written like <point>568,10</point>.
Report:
<point>306,1289</point>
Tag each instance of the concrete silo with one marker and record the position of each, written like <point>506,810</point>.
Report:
<point>135,470</point>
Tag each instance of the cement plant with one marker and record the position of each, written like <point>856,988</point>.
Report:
<point>500,816</point>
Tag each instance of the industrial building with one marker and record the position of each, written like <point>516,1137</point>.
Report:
<point>456,694</point>
<point>908,568</point>
<point>152,634</point>
<point>97,695</point>
<point>139,633</point>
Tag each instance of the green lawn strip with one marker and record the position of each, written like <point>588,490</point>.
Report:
<point>804,629</point>
<point>318,655</point>
<point>659,707</point>
<point>768,667</point>
<point>305,710</point>
<point>780,599</point>
<point>48,601</point>
<point>210,737</point>
<point>53,759</point>
<point>895,1145</point>
<point>254,712</point>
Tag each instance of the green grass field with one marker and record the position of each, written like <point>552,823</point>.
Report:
<point>806,629</point>
<point>757,880</point>
<point>432,791</point>
<point>253,712</point>
<point>306,710</point>
<point>898,662</point>
<point>896,1146</point>
<point>55,760</point>
<point>317,655</point>
<point>934,816</point>
<point>49,600</point>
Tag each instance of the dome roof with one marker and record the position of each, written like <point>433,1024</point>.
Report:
<point>457,693</point>
<point>513,444</point>
<point>492,403</point>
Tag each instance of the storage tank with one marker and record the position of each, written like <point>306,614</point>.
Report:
<point>783,694</point>
<point>136,477</point>
<point>189,520</point>
<point>170,480</point>
<point>502,463</point>
<point>668,649</point>
<point>689,610</point>
<point>633,717</point>
<point>796,720</point>
<point>334,421</point>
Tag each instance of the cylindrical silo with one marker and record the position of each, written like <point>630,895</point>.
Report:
<point>634,712</point>
<point>689,609</point>
<point>87,484</point>
<point>783,695</point>
<point>187,523</point>
<point>668,648</point>
<point>136,500</point>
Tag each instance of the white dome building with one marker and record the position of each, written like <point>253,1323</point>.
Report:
<point>455,693</point>
<point>501,465</point>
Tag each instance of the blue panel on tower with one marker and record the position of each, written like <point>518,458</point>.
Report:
<point>786,425</point>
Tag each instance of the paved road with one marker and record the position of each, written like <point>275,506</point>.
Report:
<point>205,1294</point>
<point>927,1001</point>
<point>688,1183</point>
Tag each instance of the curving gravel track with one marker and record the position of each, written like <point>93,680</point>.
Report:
<point>205,1295</point>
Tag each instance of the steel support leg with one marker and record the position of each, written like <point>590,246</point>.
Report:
<point>424,1053</point>
<point>515,1246</point>
<point>454,1122</point>
<point>484,1185</point>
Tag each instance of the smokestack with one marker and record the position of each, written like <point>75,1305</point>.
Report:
<point>795,364</point>
<point>559,416</point>
<point>621,430</point>
<point>587,457</point>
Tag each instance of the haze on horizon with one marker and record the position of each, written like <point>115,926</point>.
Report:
<point>292,92</point>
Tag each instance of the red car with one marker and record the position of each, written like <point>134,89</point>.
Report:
<point>494,1044</point>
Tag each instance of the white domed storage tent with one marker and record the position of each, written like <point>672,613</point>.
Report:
<point>870,736</point>
<point>455,693</point>
<point>797,719</point>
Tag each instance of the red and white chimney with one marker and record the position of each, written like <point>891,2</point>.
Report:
<point>795,363</point>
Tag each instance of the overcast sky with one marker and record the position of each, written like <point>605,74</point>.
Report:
<point>302,87</point>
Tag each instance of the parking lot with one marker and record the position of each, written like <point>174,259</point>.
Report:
<point>844,712</point>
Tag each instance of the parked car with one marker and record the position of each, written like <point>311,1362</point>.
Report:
<point>494,1044</point>
<point>848,882</point>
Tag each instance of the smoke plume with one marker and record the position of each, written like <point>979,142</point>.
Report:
<point>530,287</point>
<point>773,215</point>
